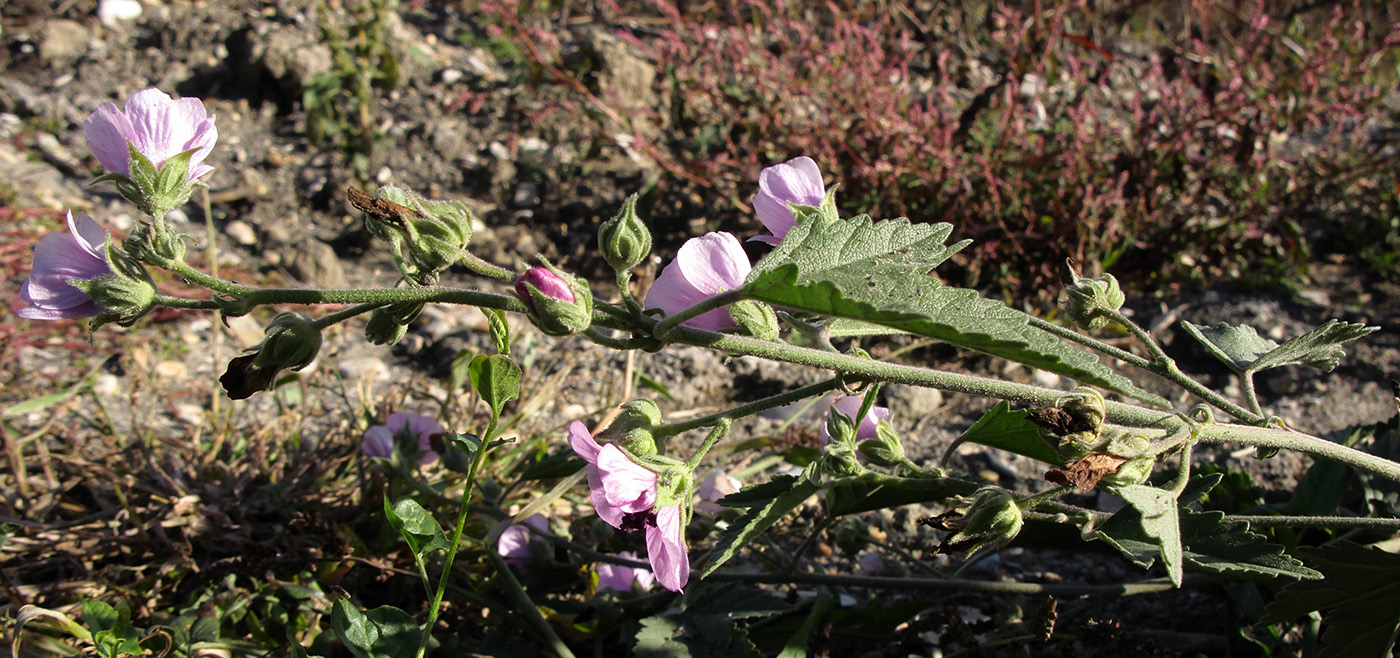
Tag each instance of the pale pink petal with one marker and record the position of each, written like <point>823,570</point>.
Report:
<point>89,234</point>
<point>619,578</point>
<point>609,513</point>
<point>666,549</point>
<point>59,260</point>
<point>704,266</point>
<point>162,125</point>
<point>396,422</point>
<point>108,131</point>
<point>795,181</point>
<point>582,442</point>
<point>626,485</point>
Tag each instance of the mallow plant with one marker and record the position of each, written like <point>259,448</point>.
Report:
<point>827,284</point>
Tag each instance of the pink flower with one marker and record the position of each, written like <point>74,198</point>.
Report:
<point>59,260</point>
<point>514,542</point>
<point>624,495</point>
<point>849,406</point>
<point>381,439</point>
<point>869,564</point>
<point>796,181</point>
<point>619,578</point>
<point>704,267</point>
<point>546,282</point>
<point>157,125</point>
<point>717,485</point>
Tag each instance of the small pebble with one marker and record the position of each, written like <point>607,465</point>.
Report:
<point>241,233</point>
<point>368,367</point>
<point>173,370</point>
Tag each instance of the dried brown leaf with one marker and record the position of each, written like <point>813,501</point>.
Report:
<point>1084,474</point>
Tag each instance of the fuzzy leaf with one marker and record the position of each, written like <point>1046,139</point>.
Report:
<point>1318,349</point>
<point>416,526</point>
<point>384,632</point>
<point>877,272</point>
<point>1157,518</point>
<point>1208,540</point>
<point>692,636</point>
<point>1236,346</point>
<point>759,517</point>
<point>500,330</point>
<point>496,378</point>
<point>872,491</point>
<point>1359,596</point>
<point>1011,431</point>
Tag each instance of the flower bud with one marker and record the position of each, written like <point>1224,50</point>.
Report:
<point>624,239</point>
<point>558,303</point>
<point>675,484</point>
<point>885,449</point>
<point>633,427</point>
<point>435,233</point>
<point>292,343</point>
<point>756,318</point>
<point>1141,459</point>
<point>1090,301</point>
<point>388,324</point>
<point>124,295</point>
<point>990,521</point>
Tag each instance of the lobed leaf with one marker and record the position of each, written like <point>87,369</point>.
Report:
<point>1011,431</point>
<point>877,272</point>
<point>1358,594</point>
<point>1157,519</point>
<point>692,636</point>
<point>762,514</point>
<point>1245,351</point>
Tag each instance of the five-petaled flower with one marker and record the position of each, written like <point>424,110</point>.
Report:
<point>704,267</point>
<point>619,578</point>
<point>380,439</point>
<point>796,181</point>
<point>514,542</point>
<point>158,126</point>
<point>60,259</point>
<point>624,495</point>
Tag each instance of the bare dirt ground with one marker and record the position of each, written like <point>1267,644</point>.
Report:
<point>538,184</point>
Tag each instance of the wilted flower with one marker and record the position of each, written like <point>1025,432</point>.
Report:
<point>158,126</point>
<point>704,267</point>
<point>619,578</point>
<point>716,485</point>
<point>514,542</point>
<point>625,495</point>
<point>292,343</point>
<point>380,440</point>
<point>59,260</point>
<point>796,181</point>
<point>849,406</point>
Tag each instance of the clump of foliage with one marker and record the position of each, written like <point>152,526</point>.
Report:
<point>340,102</point>
<point>1175,152</point>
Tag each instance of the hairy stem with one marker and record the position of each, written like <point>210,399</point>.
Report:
<point>670,322</point>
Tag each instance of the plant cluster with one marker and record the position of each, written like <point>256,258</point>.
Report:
<point>1040,132</point>
<point>828,283</point>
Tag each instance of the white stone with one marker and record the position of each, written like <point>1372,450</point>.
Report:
<point>111,12</point>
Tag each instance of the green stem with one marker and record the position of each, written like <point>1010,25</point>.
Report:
<point>456,536</point>
<point>716,435</point>
<point>1286,439</point>
<point>1092,343</point>
<point>537,623</point>
<point>749,409</point>
<point>670,322</point>
<point>342,315</point>
<point>1030,502</point>
<point>1250,396</point>
<point>484,268</point>
<point>1265,521</point>
<point>169,301</point>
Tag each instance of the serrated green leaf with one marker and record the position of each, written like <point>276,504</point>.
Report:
<point>417,527</point>
<point>496,378</point>
<point>500,330</point>
<point>1236,346</point>
<point>759,518</point>
<point>1318,349</point>
<point>877,272</point>
<point>1157,517</point>
<point>692,636</point>
<point>759,494</point>
<point>384,632</point>
<point>1208,540</point>
<point>1359,596</point>
<point>1011,431</point>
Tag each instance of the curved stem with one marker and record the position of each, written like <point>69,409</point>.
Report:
<point>1290,440</point>
<point>670,322</point>
<point>170,301</point>
<point>342,315</point>
<point>672,429</point>
<point>1266,521</point>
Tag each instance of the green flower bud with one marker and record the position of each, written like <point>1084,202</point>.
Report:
<point>624,239</point>
<point>435,233</point>
<point>839,459</point>
<point>1134,471</point>
<point>675,484</point>
<point>757,318</point>
<point>559,303</point>
<point>1089,301</point>
<point>292,343</point>
<point>989,521</point>
<point>633,427</point>
<point>124,295</point>
<point>154,190</point>
<point>388,324</point>
<point>885,449</point>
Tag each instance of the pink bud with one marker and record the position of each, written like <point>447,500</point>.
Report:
<point>546,282</point>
